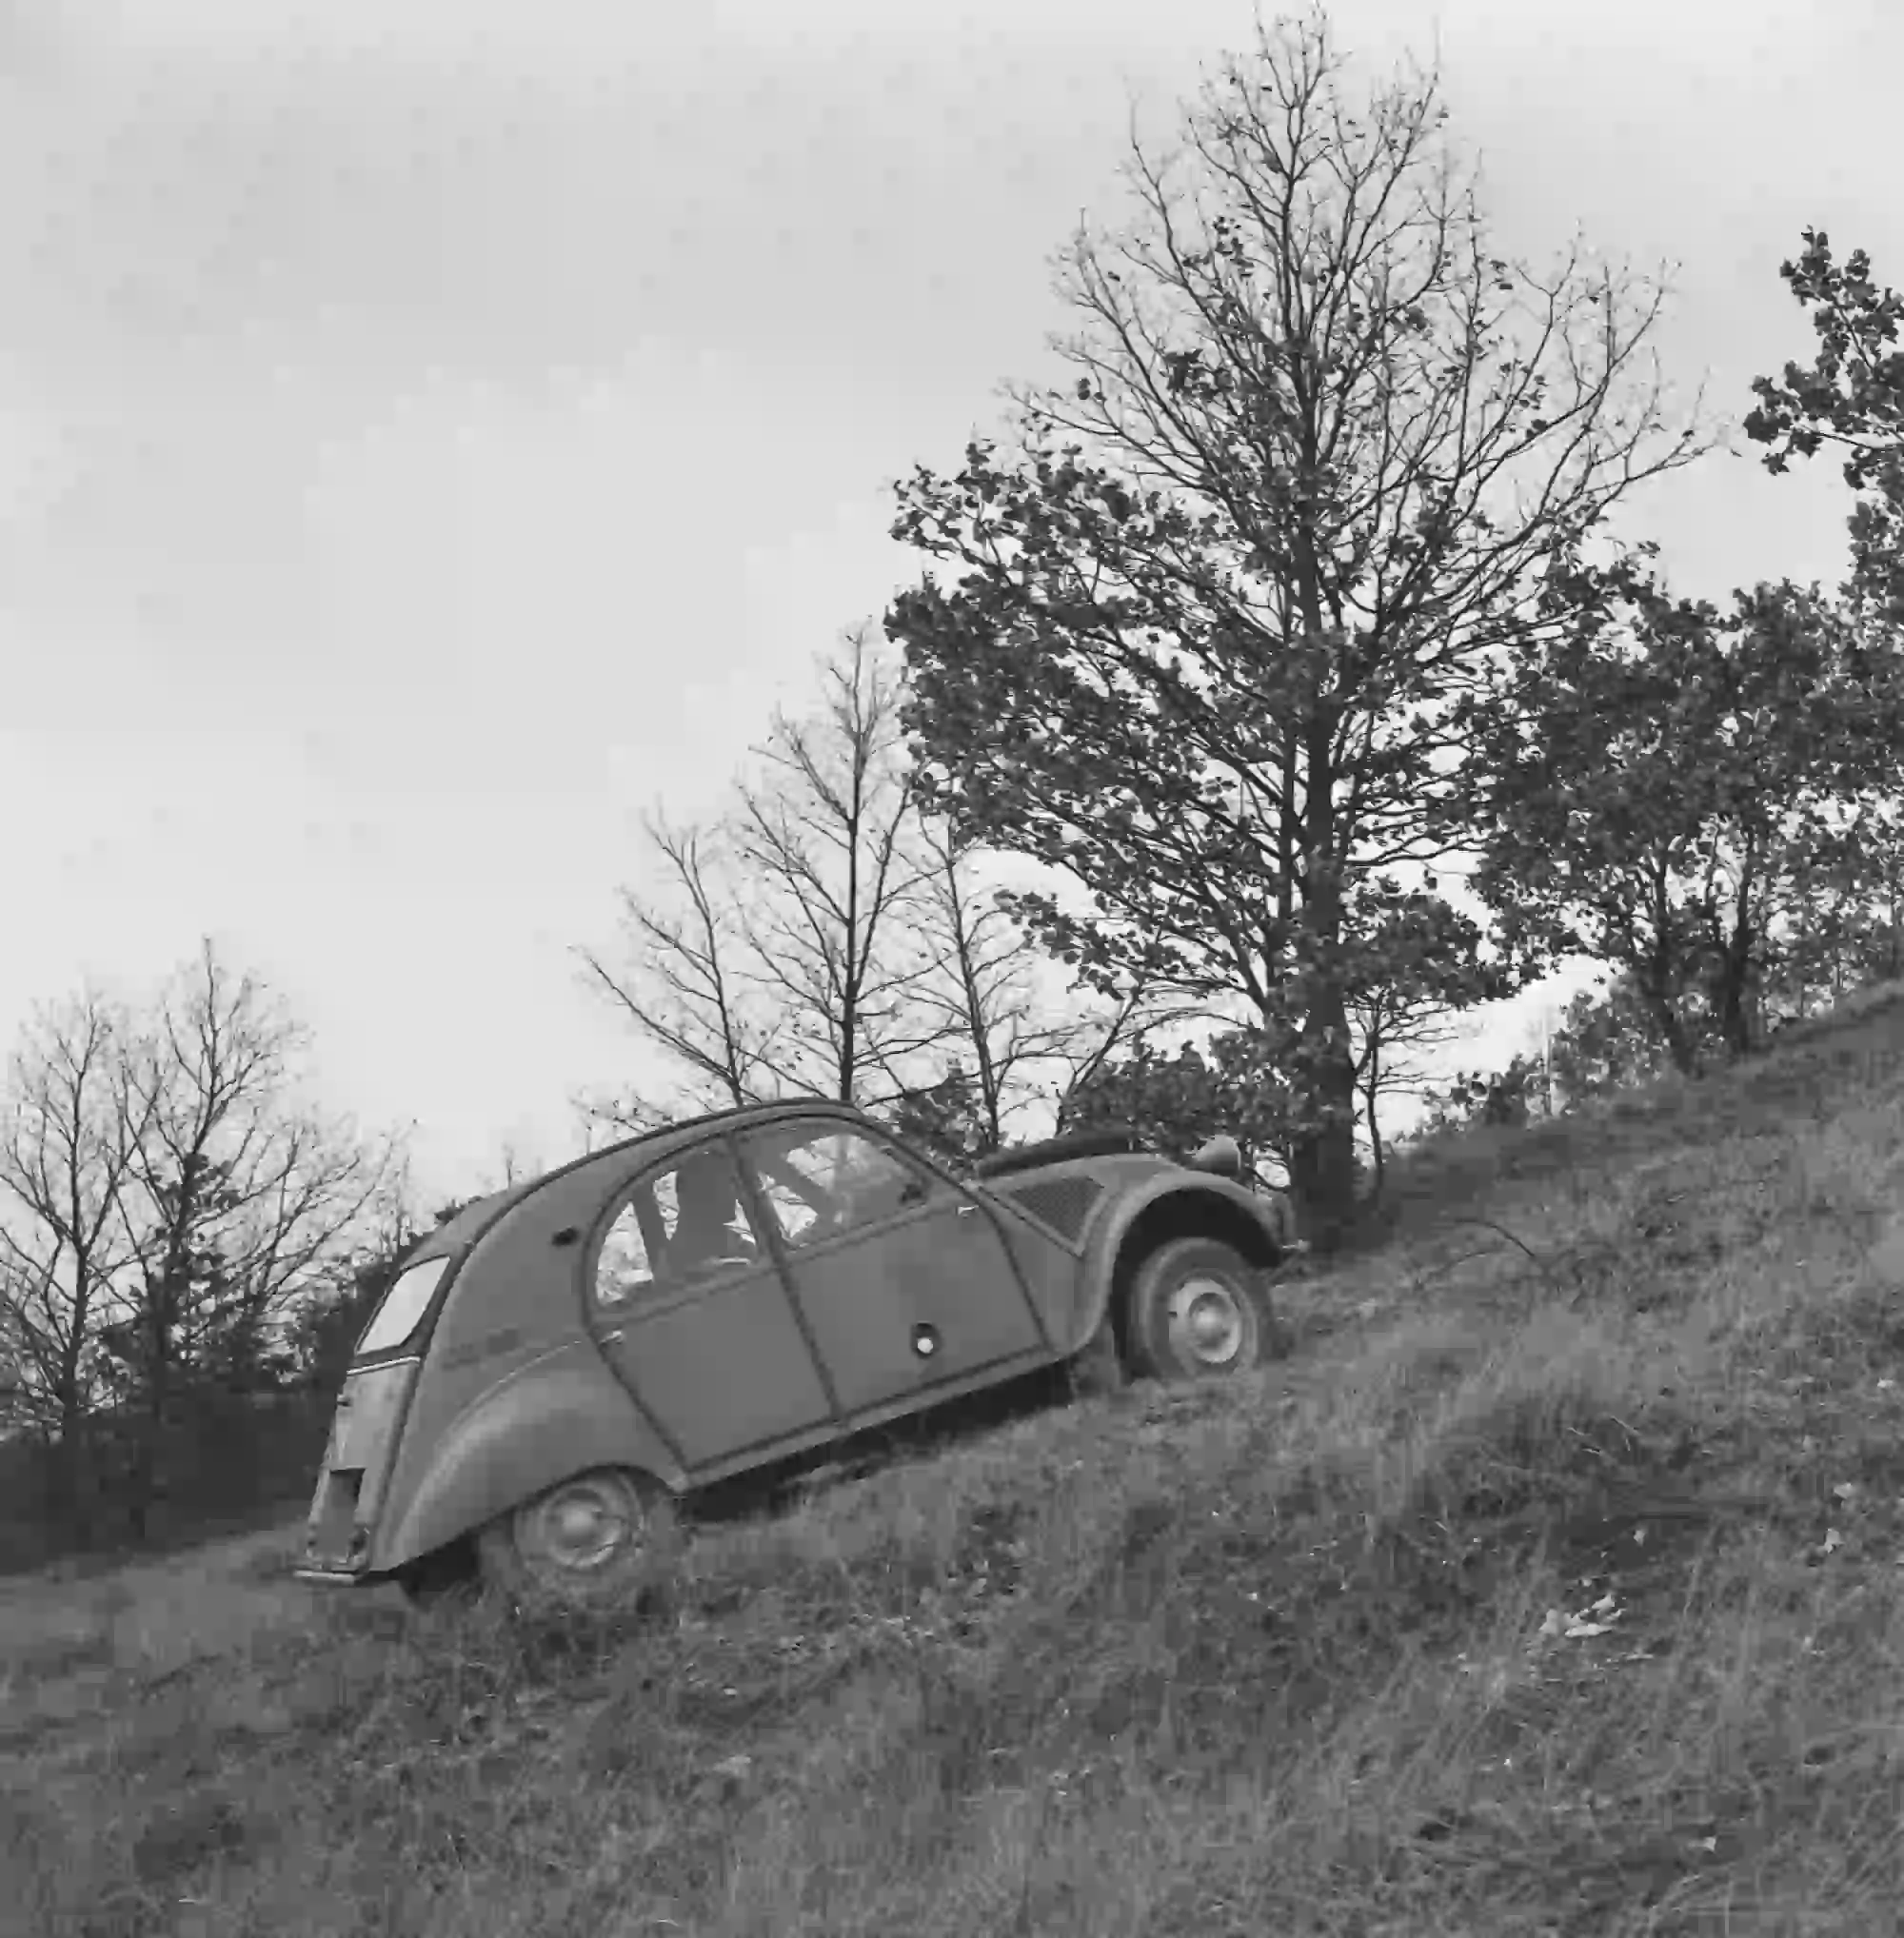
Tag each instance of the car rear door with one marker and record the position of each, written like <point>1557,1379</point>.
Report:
<point>902,1278</point>
<point>698,1323</point>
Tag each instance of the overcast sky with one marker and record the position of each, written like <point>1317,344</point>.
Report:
<point>433,430</point>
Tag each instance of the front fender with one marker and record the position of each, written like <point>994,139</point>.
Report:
<point>1178,1204</point>
<point>559,1414</point>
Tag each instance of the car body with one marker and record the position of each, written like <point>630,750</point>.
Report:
<point>727,1294</point>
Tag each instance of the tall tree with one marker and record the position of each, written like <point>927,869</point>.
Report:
<point>1320,444</point>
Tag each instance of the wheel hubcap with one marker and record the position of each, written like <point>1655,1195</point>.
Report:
<point>583,1529</point>
<point>1207,1322</point>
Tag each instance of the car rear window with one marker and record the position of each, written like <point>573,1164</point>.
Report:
<point>403,1307</point>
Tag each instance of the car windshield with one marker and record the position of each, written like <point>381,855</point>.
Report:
<point>403,1307</point>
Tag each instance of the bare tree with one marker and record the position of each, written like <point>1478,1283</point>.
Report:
<point>1007,1036</point>
<point>830,834</point>
<point>71,1139</point>
<point>1388,1024</point>
<point>234,1201</point>
<point>777,955</point>
<point>688,992</point>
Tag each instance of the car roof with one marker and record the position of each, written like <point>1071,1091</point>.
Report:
<point>662,1142</point>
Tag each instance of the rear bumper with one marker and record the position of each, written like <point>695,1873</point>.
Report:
<point>334,1577</point>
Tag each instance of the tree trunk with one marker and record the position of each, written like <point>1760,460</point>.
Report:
<point>1734,1012</point>
<point>1322,1164</point>
<point>1378,1156</point>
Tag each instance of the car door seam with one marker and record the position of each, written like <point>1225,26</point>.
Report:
<point>762,1212</point>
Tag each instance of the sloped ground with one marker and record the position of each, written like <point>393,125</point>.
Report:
<point>1552,1587</point>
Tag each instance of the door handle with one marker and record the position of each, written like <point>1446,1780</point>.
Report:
<point>968,1211</point>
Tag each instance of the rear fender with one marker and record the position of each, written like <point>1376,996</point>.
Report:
<point>557,1415</point>
<point>1177,1206</point>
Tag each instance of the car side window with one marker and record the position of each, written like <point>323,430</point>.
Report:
<point>683,1224</point>
<point>821,1179</point>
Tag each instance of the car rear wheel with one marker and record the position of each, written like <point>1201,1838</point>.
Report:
<point>594,1541</point>
<point>1199,1310</point>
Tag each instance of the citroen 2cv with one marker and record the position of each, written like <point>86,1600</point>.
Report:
<point>559,1362</point>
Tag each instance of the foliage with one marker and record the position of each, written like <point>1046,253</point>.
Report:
<point>1233,1086</point>
<point>1851,398</point>
<point>1660,784</point>
<point>1845,918</point>
<point>1487,1096</point>
<point>1209,616</point>
<point>947,1118</point>
<point>1606,1041</point>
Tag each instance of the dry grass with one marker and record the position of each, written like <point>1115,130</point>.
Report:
<point>1553,1586</point>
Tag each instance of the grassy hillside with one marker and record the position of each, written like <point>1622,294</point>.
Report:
<point>1553,1586</point>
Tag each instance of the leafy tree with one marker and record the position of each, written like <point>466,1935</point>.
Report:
<point>1841,922</point>
<point>1607,1041</point>
<point>949,1119</point>
<point>1210,612</point>
<point>1651,784</point>
<point>1483,1096</point>
<point>1233,1086</point>
<point>1851,398</point>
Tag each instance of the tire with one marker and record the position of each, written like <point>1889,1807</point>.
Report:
<point>1099,1369</point>
<point>594,1542</point>
<point>1196,1309</point>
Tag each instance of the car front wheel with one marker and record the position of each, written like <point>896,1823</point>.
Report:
<point>594,1541</point>
<point>1199,1310</point>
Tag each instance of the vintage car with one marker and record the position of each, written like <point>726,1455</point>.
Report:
<point>559,1362</point>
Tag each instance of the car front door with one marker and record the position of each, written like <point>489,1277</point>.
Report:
<point>687,1303</point>
<point>902,1278</point>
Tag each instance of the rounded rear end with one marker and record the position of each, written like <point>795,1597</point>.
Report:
<point>366,1427</point>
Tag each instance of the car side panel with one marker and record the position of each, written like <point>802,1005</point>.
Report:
<point>1052,1272</point>
<point>719,1367</point>
<point>559,1414</point>
<point>946,1266</point>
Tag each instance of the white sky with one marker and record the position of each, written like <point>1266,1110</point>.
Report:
<point>429,433</point>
